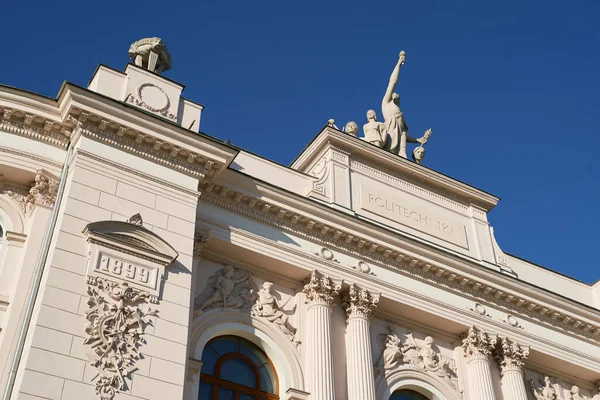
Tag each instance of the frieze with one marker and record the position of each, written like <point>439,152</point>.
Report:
<point>393,260</point>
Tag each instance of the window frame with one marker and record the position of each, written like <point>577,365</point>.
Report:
<point>217,382</point>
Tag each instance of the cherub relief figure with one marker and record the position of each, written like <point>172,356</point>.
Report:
<point>424,357</point>
<point>267,307</point>
<point>228,288</point>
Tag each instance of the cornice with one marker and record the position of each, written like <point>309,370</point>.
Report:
<point>35,126</point>
<point>389,258</point>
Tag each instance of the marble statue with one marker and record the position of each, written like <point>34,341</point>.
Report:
<point>574,394</point>
<point>392,354</point>
<point>418,153</point>
<point>331,123</point>
<point>267,307</point>
<point>547,392</point>
<point>395,124</point>
<point>375,132</point>
<point>150,53</point>
<point>228,288</point>
<point>351,128</point>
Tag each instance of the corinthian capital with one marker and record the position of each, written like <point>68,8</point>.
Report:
<point>43,191</point>
<point>478,343</point>
<point>321,289</point>
<point>359,302</point>
<point>510,355</point>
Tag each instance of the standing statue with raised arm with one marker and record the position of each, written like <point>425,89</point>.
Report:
<point>394,118</point>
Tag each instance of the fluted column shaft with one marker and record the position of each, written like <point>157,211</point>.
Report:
<point>513,385</point>
<point>320,292</point>
<point>359,360</point>
<point>479,374</point>
<point>359,304</point>
<point>318,350</point>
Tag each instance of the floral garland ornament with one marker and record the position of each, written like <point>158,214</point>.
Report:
<point>115,327</point>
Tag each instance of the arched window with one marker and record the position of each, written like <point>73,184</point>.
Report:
<point>407,395</point>
<point>236,369</point>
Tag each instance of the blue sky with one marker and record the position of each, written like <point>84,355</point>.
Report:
<point>510,88</point>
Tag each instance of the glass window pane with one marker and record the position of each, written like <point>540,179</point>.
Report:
<point>226,394</point>
<point>236,370</point>
<point>209,358</point>
<point>205,391</point>
<point>267,379</point>
<point>253,353</point>
<point>407,395</point>
<point>247,397</point>
<point>225,344</point>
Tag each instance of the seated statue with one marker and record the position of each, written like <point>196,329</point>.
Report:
<point>150,53</point>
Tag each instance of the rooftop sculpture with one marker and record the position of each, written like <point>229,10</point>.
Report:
<point>392,134</point>
<point>150,53</point>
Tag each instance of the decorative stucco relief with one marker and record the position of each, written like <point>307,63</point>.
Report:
<point>320,171</point>
<point>42,191</point>
<point>267,306</point>
<point>116,323</point>
<point>411,353</point>
<point>227,288</point>
<point>510,355</point>
<point>17,193</point>
<point>321,289</point>
<point>359,302</point>
<point>477,343</point>
<point>545,387</point>
<point>200,241</point>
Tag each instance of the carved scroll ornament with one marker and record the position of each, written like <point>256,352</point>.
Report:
<point>116,323</point>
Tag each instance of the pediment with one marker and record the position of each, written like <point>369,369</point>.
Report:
<point>131,238</point>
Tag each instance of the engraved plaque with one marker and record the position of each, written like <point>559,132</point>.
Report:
<point>409,212</point>
<point>118,267</point>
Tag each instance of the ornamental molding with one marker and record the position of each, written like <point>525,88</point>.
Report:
<point>17,193</point>
<point>116,323</point>
<point>393,260</point>
<point>143,145</point>
<point>359,302</point>
<point>36,127</point>
<point>42,191</point>
<point>137,98</point>
<point>321,289</point>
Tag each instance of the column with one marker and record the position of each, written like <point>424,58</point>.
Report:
<point>510,356</point>
<point>359,305</point>
<point>478,348</point>
<point>320,292</point>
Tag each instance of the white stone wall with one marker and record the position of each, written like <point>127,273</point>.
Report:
<point>55,365</point>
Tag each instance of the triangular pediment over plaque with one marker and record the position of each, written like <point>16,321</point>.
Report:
<point>127,252</point>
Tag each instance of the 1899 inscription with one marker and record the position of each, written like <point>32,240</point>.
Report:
<point>110,265</point>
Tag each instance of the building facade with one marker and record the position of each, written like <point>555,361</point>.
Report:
<point>142,259</point>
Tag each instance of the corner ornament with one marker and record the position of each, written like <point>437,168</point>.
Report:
<point>115,328</point>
